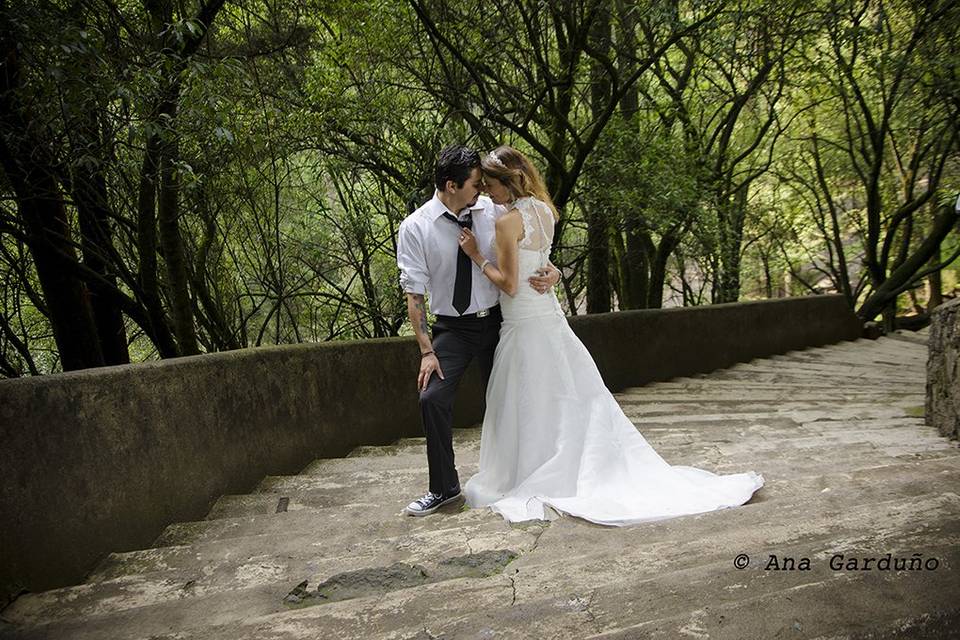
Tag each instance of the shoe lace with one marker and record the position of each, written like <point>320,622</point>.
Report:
<point>427,499</point>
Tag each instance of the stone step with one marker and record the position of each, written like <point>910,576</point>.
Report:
<point>851,358</point>
<point>769,404</point>
<point>666,433</point>
<point>634,585</point>
<point>749,377</point>
<point>678,446</point>
<point>718,602</point>
<point>769,459</point>
<point>217,564</point>
<point>731,389</point>
<point>836,420</point>
<point>805,606</point>
<point>399,486</point>
<point>687,438</point>
<point>383,520</point>
<point>894,351</point>
<point>259,570</point>
<point>819,420</point>
<point>908,337</point>
<point>845,374</point>
<point>603,590</point>
<point>855,372</point>
<point>782,496</point>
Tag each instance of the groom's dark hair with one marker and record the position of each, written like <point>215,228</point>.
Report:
<point>455,163</point>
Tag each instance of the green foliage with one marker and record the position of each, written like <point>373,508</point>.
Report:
<point>740,138</point>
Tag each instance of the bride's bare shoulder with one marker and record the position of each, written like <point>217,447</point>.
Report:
<point>510,223</point>
<point>510,218</point>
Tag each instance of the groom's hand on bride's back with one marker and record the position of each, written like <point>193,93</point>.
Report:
<point>428,364</point>
<point>545,279</point>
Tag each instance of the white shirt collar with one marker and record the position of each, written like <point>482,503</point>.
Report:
<point>436,207</point>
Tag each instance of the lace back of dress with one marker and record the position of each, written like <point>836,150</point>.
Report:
<point>537,226</point>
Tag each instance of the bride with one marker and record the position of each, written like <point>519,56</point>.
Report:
<point>553,435</point>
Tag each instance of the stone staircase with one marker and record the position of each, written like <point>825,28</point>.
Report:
<point>837,432</point>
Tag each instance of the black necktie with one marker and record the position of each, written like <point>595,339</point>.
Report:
<point>462,286</point>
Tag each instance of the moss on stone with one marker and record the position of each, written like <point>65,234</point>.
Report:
<point>915,412</point>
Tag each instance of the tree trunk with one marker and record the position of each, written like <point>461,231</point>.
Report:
<point>934,280</point>
<point>658,268</point>
<point>731,236</point>
<point>598,233</point>
<point>147,249</point>
<point>44,217</point>
<point>89,191</point>
<point>636,270</point>
<point>171,244</point>
<point>903,276</point>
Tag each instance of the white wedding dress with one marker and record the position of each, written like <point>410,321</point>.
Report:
<point>554,435</point>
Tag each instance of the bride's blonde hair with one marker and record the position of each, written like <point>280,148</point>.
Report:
<point>518,175</point>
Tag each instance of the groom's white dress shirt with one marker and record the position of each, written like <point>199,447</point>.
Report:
<point>427,245</point>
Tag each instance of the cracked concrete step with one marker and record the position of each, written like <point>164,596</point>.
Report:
<point>551,599</point>
<point>219,564</point>
<point>905,476</point>
<point>778,500</point>
<point>258,570</point>
<point>930,526</point>
<point>233,618</point>
<point>841,600</point>
<point>817,605</point>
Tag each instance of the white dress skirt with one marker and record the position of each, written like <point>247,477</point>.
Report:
<point>553,434</point>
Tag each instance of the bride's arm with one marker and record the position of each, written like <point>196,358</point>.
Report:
<point>506,275</point>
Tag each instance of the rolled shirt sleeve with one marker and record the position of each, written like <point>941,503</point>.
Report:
<point>414,277</point>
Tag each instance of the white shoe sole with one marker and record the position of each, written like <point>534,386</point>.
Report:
<point>426,512</point>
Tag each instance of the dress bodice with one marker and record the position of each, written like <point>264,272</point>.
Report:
<point>534,253</point>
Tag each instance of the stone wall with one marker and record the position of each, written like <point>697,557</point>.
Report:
<point>943,369</point>
<point>102,460</point>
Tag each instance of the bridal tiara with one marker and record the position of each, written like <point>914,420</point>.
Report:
<point>495,160</point>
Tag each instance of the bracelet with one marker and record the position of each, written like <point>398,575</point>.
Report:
<point>425,353</point>
<point>483,265</point>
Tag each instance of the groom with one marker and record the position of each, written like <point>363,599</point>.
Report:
<point>464,301</point>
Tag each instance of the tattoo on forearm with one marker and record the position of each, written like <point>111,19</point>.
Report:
<point>419,305</point>
<point>423,323</point>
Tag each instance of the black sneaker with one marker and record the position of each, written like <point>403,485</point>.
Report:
<point>429,503</point>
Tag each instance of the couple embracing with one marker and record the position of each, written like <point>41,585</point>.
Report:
<point>554,440</point>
